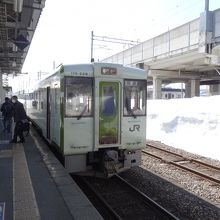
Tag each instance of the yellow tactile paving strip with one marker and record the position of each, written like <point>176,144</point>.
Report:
<point>25,205</point>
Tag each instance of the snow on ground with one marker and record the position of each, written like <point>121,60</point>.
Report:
<point>191,124</point>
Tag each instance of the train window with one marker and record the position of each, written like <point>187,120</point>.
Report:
<point>134,97</point>
<point>108,107</point>
<point>108,112</point>
<point>78,94</point>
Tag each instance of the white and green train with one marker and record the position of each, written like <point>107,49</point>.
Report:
<point>94,114</point>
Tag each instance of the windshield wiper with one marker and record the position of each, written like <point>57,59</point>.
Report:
<point>82,113</point>
<point>129,110</point>
<point>132,113</point>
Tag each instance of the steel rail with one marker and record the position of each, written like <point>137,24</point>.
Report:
<point>200,174</point>
<point>159,211</point>
<point>100,198</point>
<point>147,200</point>
<point>190,159</point>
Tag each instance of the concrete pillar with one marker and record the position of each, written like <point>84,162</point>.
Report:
<point>157,88</point>
<point>187,90</point>
<point>214,89</point>
<point>195,87</point>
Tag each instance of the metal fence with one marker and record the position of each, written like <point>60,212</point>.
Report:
<point>176,41</point>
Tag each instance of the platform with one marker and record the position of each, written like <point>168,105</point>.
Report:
<point>34,185</point>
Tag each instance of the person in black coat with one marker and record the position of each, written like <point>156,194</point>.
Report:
<point>19,118</point>
<point>7,113</point>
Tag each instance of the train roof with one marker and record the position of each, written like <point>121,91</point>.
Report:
<point>96,69</point>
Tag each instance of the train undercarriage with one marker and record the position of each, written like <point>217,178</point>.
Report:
<point>103,163</point>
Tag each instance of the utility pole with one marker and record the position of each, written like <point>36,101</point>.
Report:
<point>206,5</point>
<point>92,38</point>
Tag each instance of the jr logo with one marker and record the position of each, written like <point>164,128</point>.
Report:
<point>135,127</point>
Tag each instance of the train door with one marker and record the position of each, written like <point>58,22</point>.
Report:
<point>108,116</point>
<point>48,112</point>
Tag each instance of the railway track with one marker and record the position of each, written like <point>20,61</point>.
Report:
<point>122,200</point>
<point>194,166</point>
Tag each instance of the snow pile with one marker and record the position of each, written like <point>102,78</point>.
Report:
<point>190,124</point>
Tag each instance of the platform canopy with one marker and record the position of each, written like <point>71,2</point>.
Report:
<point>18,21</point>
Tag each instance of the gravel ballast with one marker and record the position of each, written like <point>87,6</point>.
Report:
<point>175,199</point>
<point>185,195</point>
<point>203,188</point>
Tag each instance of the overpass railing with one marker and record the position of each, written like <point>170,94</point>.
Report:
<point>179,40</point>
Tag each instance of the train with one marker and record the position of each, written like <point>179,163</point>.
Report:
<point>94,115</point>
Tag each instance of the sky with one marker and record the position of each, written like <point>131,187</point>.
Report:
<point>191,124</point>
<point>63,34</point>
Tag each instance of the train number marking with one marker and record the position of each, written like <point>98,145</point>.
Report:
<point>135,127</point>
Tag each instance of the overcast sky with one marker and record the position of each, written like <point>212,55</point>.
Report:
<point>64,30</point>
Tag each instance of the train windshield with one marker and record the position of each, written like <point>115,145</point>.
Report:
<point>78,94</point>
<point>135,98</point>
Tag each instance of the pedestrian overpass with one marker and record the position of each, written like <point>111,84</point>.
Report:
<point>189,53</point>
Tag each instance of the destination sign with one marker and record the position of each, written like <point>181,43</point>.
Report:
<point>108,71</point>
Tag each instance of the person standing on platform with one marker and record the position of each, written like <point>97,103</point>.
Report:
<point>19,118</point>
<point>7,113</point>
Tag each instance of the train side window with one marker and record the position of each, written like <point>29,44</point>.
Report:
<point>78,96</point>
<point>134,98</point>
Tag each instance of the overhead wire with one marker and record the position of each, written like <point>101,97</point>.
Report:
<point>179,11</point>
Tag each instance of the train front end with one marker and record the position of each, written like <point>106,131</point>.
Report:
<point>120,116</point>
<point>109,130</point>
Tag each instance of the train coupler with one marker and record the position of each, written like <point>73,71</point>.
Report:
<point>111,163</point>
